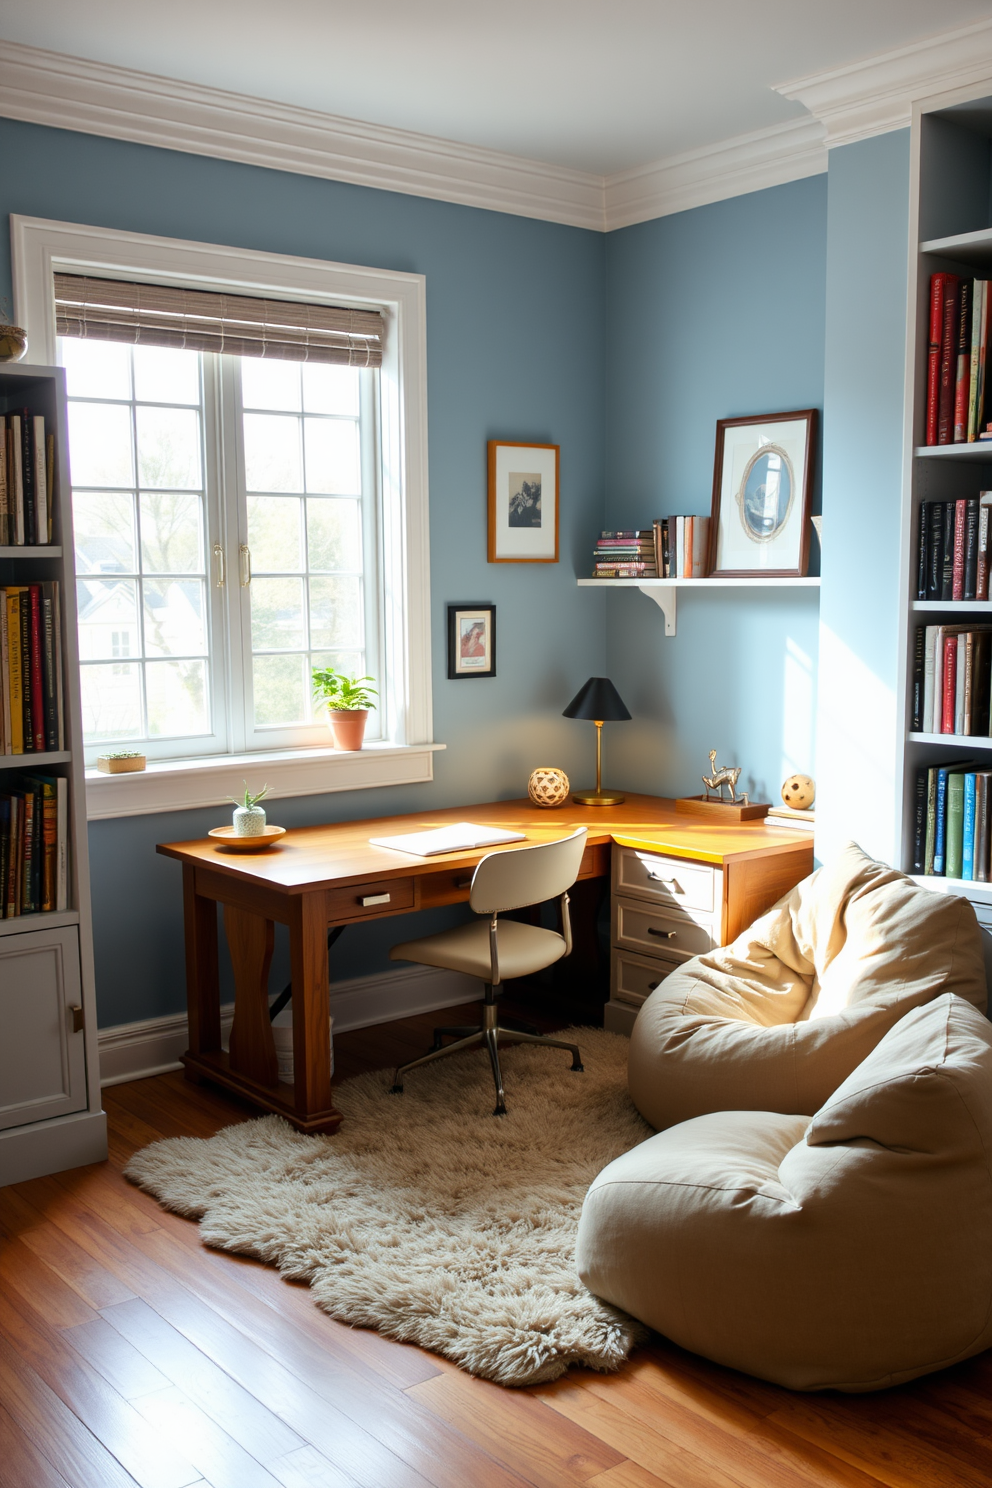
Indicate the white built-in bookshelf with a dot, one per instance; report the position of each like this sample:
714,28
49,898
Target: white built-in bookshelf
50,1116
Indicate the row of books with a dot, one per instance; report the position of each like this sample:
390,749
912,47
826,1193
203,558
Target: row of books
672,548
952,550
34,837
952,680
956,360
625,555
31,712
27,475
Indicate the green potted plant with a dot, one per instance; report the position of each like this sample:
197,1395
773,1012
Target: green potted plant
249,817
348,701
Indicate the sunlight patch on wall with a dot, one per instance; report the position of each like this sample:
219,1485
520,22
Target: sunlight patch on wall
856,754
797,711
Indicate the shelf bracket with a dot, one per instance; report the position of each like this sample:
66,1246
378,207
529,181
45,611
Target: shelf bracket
664,598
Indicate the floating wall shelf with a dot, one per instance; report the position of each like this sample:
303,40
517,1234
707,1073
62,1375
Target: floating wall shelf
663,591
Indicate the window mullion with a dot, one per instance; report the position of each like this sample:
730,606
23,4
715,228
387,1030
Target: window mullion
230,445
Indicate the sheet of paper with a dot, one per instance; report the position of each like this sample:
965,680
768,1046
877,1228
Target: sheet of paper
459,837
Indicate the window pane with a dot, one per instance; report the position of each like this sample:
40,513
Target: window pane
108,619
168,448
176,694
165,375
272,452
272,384
96,369
173,613
104,531
330,389
274,534
334,536
111,701
335,612
280,686
333,464
277,614
100,444
171,533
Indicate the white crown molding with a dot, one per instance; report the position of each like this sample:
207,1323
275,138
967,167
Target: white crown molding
877,95
749,162
41,87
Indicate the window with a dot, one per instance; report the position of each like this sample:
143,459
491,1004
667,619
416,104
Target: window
226,518
219,470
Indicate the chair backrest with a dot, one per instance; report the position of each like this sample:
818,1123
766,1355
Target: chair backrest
527,875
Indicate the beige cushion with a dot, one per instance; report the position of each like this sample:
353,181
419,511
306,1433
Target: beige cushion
522,949
850,1252
775,1021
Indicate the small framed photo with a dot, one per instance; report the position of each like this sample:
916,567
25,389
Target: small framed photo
523,503
762,481
471,640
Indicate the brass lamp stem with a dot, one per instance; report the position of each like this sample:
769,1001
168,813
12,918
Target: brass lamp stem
598,797
599,755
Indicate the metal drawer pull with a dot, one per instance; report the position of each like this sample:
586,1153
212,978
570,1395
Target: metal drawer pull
463,883
77,1018
670,883
374,899
662,934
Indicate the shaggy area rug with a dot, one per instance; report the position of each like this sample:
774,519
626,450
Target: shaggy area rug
425,1216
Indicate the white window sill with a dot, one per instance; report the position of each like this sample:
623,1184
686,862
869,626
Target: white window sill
182,785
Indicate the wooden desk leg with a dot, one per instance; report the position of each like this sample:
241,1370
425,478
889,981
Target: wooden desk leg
311,1044
250,939
202,981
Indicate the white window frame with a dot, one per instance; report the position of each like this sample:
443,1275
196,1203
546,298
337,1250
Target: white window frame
39,248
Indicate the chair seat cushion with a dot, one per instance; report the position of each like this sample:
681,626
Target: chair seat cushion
775,1021
522,949
848,1252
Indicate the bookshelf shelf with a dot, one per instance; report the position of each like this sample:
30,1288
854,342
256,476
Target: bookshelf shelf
951,606
22,550
979,451
969,248
663,591
30,761
52,920
979,892
953,741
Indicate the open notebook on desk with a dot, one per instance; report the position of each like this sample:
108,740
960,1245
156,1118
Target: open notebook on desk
459,837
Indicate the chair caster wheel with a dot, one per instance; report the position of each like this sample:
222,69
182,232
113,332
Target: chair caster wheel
396,1089
578,1069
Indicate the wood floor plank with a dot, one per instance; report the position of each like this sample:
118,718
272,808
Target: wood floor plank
306,1468
22,1464
120,1363
518,1430
630,1475
23,1272
222,1460
91,1281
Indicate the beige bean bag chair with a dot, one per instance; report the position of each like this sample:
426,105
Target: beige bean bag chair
775,1021
850,1252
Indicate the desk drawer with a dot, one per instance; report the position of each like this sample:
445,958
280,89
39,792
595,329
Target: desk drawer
671,881
365,901
633,978
648,928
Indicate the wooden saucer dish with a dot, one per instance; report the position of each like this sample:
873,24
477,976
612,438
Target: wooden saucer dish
227,842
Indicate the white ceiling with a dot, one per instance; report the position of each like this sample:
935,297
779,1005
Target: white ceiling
598,85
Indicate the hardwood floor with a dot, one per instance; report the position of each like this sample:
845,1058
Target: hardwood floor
130,1354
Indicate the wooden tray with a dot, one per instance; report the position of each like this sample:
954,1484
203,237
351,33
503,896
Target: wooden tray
228,842
721,810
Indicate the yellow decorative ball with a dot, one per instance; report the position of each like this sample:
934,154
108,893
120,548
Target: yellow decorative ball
548,786
799,792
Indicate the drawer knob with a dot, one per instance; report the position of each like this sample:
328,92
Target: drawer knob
670,883
78,1022
374,899
662,934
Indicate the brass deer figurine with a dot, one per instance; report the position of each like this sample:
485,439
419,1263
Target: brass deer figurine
724,775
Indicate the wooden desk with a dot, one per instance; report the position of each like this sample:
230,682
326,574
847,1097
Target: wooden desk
318,877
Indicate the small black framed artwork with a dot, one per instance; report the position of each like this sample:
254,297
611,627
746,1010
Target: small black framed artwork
471,640
762,482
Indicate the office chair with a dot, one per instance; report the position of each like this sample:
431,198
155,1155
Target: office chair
502,949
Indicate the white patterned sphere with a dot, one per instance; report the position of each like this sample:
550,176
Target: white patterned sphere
799,792
548,786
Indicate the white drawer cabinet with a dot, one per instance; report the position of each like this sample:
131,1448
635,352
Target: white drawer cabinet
42,1061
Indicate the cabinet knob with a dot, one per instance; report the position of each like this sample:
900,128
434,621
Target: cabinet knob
78,1022
373,899
662,934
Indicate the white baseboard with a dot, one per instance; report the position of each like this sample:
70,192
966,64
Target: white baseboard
133,1051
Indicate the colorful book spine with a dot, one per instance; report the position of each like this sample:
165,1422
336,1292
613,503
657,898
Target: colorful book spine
968,828
957,562
963,366
933,354
948,358
949,684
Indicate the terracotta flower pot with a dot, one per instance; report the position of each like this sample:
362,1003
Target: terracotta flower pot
347,726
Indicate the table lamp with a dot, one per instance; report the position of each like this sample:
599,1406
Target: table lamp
599,700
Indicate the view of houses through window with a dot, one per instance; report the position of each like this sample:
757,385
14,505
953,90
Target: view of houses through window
224,520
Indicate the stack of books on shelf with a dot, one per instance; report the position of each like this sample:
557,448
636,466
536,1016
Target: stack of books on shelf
31,713
788,816
952,821
682,547
952,551
952,680
625,555
27,474
34,834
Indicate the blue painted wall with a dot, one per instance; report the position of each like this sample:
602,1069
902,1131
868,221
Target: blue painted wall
515,332
714,313
859,744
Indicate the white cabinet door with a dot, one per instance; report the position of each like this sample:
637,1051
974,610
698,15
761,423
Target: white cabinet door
42,1062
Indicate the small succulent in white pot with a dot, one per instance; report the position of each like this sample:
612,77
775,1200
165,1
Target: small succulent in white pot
249,817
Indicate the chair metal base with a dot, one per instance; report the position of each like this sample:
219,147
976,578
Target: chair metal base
489,1034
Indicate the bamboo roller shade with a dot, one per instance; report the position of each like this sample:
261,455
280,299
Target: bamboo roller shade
202,320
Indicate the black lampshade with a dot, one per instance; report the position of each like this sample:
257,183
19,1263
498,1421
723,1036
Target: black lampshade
597,698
